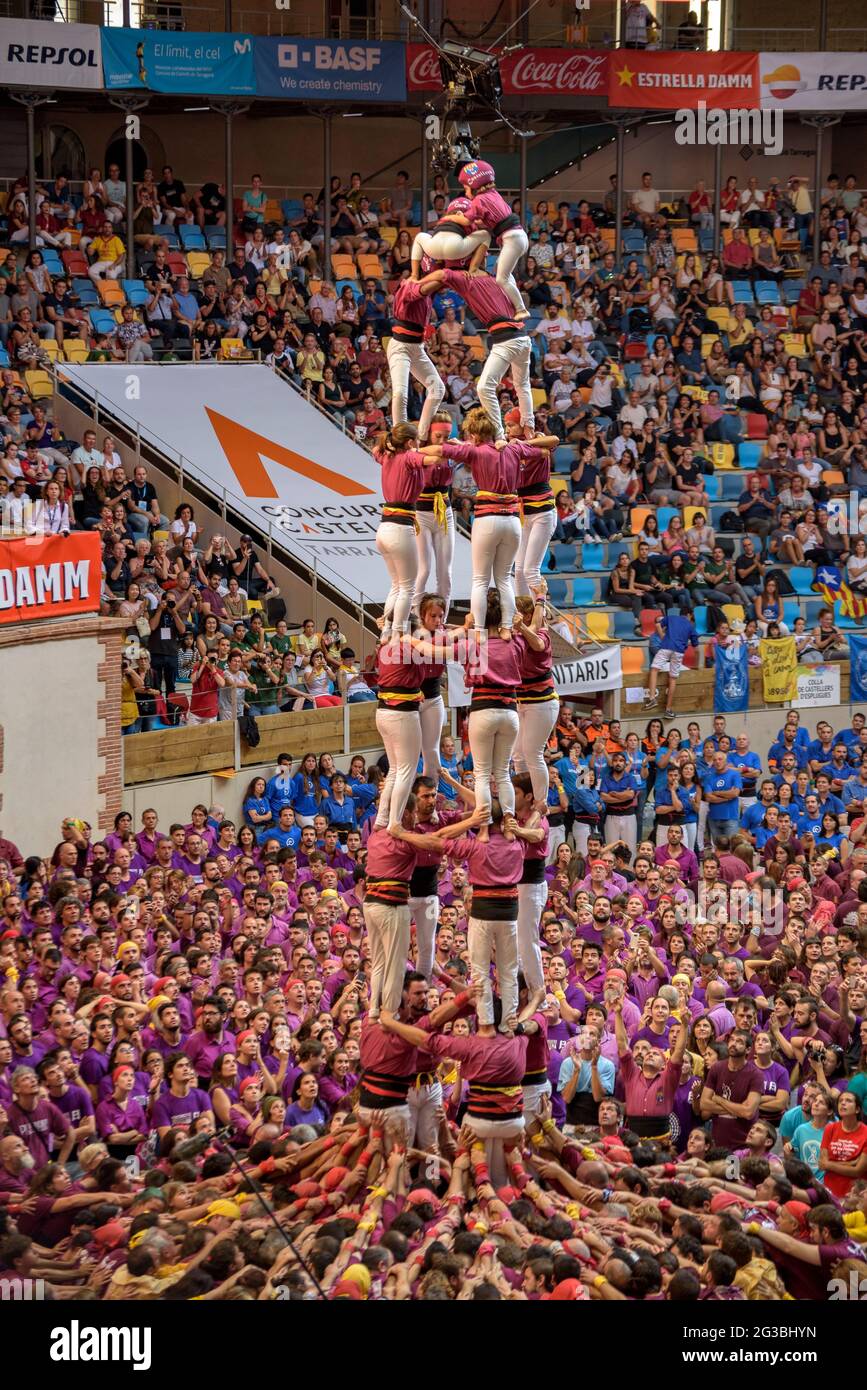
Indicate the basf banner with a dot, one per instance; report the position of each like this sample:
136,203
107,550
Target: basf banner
280,461
814,81
34,53
151,60
319,70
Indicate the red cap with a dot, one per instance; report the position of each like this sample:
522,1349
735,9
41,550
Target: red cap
569,1291
248,1081
246,1033
160,984
720,1201
119,980
346,1289
122,1066
512,417
420,1195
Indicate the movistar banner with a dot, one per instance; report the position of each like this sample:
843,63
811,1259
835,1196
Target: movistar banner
151,60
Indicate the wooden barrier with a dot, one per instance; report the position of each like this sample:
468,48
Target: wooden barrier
168,753
694,694
198,748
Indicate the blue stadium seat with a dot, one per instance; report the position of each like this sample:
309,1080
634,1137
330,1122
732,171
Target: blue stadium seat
51,260
705,239
699,617
732,485
791,291
557,591
353,285
103,320
564,458
791,611
742,292
216,238
4,357
135,292
565,556
592,556
664,516
191,238
812,608
801,579
170,235
714,486
842,619
750,452
584,592
624,623
86,292
767,292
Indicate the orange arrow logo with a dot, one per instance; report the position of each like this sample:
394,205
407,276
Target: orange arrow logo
244,449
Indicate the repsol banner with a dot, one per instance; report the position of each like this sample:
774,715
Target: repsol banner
34,53
588,675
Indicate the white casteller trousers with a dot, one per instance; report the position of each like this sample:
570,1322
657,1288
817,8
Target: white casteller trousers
514,245
535,725
432,716
436,549
400,732
425,912
514,353
410,359
497,941
536,534
492,734
388,929
532,898
495,541
396,544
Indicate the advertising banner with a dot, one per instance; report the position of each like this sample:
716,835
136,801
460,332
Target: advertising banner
49,576
281,463
814,81
155,61
588,675
669,81
731,687
320,70
34,53
554,72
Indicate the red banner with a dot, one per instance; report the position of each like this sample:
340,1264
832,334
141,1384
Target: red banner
422,68
49,576
668,81
549,71
555,72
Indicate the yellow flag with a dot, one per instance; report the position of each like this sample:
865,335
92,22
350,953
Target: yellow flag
779,669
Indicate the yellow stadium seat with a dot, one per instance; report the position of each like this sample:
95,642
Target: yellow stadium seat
39,384
389,235
598,625
722,455
74,350
721,317
198,262
559,484
369,266
606,236
707,342
343,266
832,477
160,536
539,396
734,612
51,347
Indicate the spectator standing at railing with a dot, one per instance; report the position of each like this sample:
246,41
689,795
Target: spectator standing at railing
636,20
690,33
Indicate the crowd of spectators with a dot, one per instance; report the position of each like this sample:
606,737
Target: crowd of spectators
702,1035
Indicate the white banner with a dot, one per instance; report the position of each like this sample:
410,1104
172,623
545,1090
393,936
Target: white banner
35,53
242,429
601,670
813,81
817,685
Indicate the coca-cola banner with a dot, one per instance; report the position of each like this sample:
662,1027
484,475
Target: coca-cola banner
422,68
551,71
555,72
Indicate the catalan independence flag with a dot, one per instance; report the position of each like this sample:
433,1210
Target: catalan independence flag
830,583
